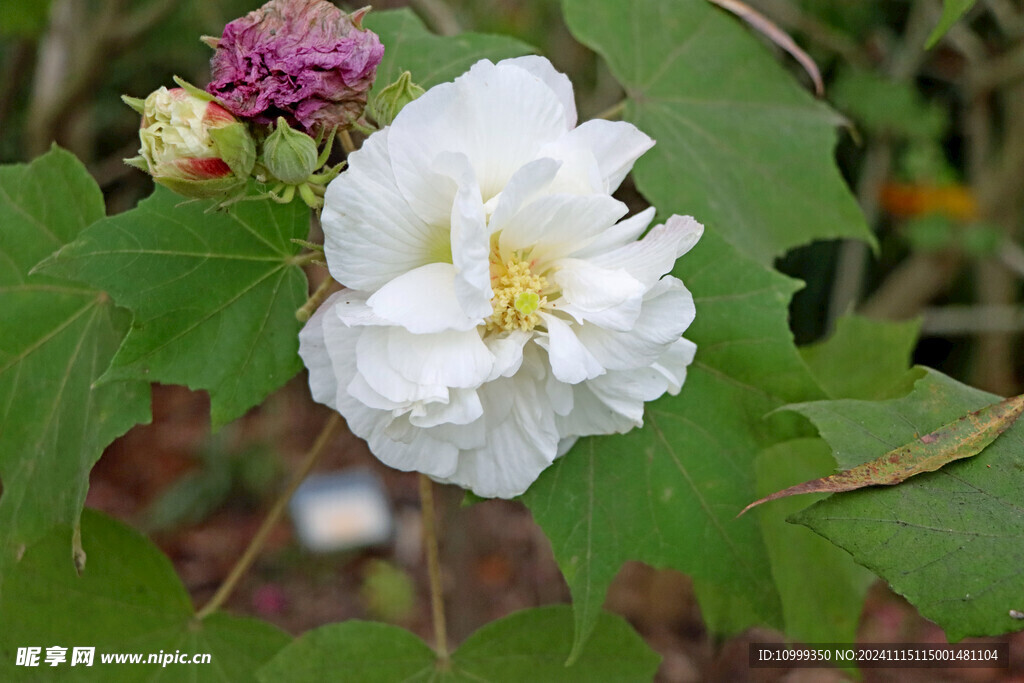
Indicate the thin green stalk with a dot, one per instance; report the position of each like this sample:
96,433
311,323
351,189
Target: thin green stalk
249,556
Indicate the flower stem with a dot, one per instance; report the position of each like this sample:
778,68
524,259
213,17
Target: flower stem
346,142
434,569
256,544
315,299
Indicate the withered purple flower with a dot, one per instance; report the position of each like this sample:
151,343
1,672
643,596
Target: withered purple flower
305,60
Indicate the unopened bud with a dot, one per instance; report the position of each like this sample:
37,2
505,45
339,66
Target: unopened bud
289,155
192,145
389,101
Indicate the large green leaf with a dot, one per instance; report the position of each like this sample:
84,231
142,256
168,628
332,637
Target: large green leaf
864,358
952,10
821,587
668,494
433,59
952,541
741,146
214,294
530,646
127,600
56,339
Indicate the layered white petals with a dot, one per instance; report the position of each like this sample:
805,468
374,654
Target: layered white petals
612,146
556,225
556,80
571,362
423,301
470,238
501,306
477,115
653,256
368,243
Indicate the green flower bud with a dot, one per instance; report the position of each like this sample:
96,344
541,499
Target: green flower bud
389,101
289,155
192,145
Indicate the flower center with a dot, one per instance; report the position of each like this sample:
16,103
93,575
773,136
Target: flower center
518,295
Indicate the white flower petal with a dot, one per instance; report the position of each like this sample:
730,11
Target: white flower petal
615,145
666,313
571,362
423,301
560,394
522,440
463,436
589,287
557,225
422,453
507,350
654,255
626,391
453,359
313,349
621,317
371,241
620,234
674,362
556,80
523,186
373,363
477,115
470,238
463,409
359,389
591,416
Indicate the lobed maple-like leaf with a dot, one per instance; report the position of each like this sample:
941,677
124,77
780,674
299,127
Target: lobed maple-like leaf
740,145
56,339
213,295
950,541
128,599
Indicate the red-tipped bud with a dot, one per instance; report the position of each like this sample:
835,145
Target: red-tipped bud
192,145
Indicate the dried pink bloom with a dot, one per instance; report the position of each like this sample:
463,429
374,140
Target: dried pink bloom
305,60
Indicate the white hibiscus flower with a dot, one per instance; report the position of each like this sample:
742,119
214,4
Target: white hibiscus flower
497,307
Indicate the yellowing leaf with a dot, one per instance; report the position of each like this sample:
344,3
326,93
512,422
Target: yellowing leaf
962,438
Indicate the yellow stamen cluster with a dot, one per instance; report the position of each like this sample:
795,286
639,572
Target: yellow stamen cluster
517,296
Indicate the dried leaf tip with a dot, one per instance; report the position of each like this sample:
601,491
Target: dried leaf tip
962,438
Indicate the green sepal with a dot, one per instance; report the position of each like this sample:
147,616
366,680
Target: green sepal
194,91
236,147
138,162
139,105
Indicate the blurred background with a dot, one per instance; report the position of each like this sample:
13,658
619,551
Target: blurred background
934,151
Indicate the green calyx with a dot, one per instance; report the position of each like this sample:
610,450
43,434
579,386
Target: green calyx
389,101
289,155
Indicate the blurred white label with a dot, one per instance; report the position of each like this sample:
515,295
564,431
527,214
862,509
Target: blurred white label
341,511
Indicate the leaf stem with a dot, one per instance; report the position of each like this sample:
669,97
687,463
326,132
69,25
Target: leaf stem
249,556
434,569
305,259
